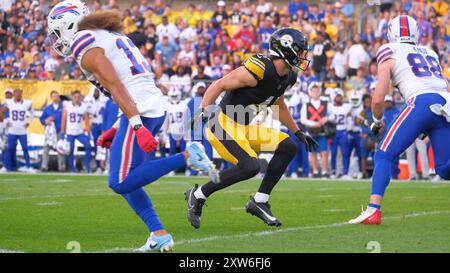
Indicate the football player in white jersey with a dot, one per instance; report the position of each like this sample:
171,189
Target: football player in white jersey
355,98
416,72
96,105
75,112
176,107
341,116
111,61
294,100
20,115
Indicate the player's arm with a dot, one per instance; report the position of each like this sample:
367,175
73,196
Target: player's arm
63,121
87,122
31,116
238,78
285,117
382,88
95,61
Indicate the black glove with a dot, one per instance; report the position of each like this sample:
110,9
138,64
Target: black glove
375,127
310,143
200,117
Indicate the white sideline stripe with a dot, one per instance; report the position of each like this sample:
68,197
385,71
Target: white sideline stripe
54,196
49,203
270,232
11,251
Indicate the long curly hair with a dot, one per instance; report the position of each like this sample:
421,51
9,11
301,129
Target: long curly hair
102,19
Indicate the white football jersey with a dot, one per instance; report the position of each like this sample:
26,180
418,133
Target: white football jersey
95,108
342,116
175,117
417,69
131,68
75,117
18,112
356,113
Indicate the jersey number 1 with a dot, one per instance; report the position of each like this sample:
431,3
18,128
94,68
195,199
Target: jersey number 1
136,68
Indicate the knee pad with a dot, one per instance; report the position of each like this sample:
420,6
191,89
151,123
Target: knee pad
444,171
249,167
287,147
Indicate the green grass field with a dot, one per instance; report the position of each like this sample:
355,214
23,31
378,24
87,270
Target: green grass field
43,213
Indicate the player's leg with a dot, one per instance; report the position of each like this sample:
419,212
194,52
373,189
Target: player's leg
71,157
132,171
439,138
96,132
229,140
304,160
85,140
11,152
333,150
345,151
284,148
173,145
293,165
138,199
323,148
414,119
24,144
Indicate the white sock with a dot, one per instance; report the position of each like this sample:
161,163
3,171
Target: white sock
199,194
261,197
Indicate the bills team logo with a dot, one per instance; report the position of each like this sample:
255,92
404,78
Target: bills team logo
286,40
59,12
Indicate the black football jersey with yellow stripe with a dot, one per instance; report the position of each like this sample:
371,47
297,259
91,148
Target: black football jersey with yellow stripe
246,102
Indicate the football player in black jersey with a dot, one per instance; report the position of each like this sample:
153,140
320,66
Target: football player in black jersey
259,83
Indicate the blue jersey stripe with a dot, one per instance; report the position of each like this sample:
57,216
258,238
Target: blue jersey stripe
83,46
75,44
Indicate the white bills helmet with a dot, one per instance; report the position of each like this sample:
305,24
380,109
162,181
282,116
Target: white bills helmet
63,147
403,29
63,22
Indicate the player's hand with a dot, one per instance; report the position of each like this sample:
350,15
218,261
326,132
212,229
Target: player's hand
310,143
62,136
105,139
377,128
146,140
200,117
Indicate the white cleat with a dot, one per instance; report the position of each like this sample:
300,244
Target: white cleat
163,243
370,216
346,177
3,170
31,170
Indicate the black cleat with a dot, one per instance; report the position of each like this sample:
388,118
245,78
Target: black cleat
194,206
262,211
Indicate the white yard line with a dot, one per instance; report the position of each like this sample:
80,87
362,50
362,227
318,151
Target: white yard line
11,251
49,203
284,230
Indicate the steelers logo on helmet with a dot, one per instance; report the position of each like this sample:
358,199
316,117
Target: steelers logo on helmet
286,40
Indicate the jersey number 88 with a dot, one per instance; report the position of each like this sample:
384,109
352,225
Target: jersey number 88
424,67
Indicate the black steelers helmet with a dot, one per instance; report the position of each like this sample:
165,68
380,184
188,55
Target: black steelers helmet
291,45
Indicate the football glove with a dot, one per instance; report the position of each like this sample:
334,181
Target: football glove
145,139
105,139
310,143
200,117
376,127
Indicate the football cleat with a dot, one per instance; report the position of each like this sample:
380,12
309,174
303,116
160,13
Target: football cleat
370,216
262,211
163,243
198,160
194,206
